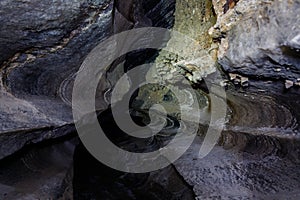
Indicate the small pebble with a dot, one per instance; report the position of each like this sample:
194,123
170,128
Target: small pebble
244,81
288,84
277,70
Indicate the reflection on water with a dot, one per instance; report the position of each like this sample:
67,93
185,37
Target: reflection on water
257,158
93,180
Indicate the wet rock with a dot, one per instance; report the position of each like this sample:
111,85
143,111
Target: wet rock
244,81
49,46
297,82
41,45
288,84
253,156
40,24
277,70
15,140
162,184
239,80
37,172
232,76
228,174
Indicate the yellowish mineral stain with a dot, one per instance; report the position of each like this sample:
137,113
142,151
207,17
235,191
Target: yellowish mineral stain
193,18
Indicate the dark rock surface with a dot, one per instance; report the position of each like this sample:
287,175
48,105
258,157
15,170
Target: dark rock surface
42,67
234,174
41,45
38,172
94,180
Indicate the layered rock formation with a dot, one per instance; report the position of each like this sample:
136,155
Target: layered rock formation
260,40
259,49
42,44
255,44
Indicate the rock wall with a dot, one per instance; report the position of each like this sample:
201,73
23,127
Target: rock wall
42,45
260,40
259,48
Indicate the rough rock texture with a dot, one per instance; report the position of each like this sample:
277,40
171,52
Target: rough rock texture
41,45
259,49
260,40
39,172
266,43
259,53
192,19
229,174
258,145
